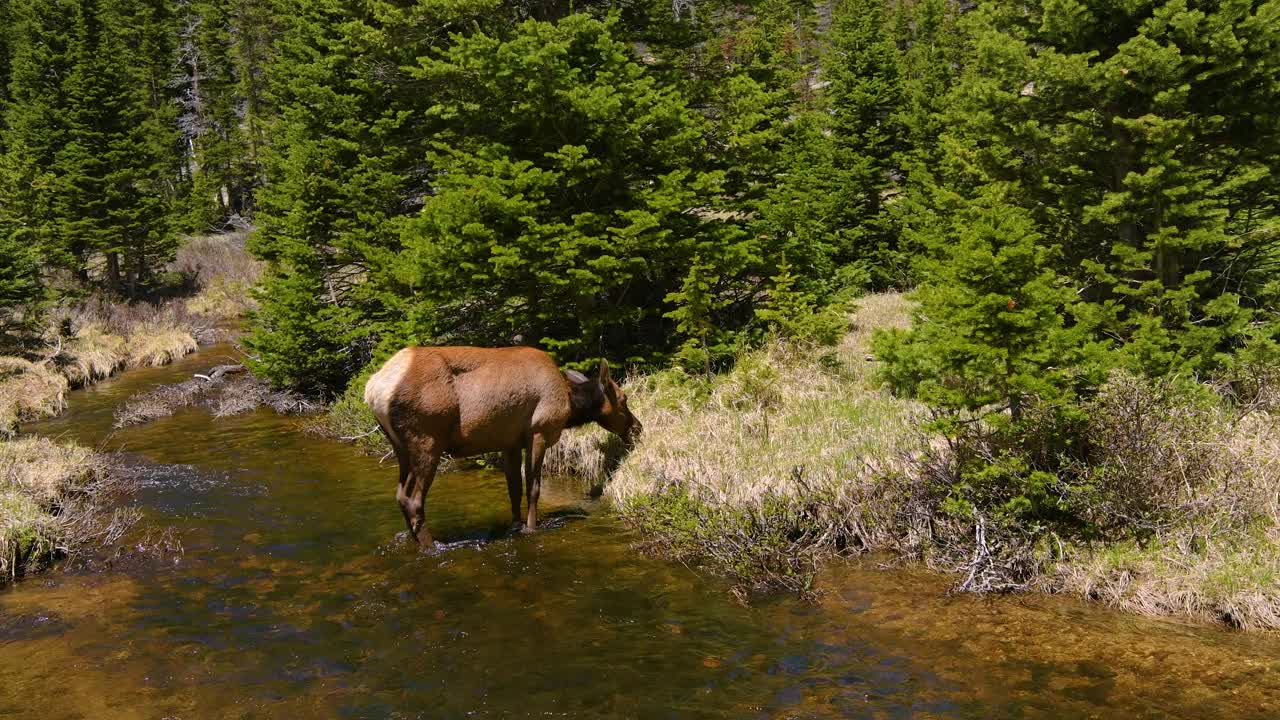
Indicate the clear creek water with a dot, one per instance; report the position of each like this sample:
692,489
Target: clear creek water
293,599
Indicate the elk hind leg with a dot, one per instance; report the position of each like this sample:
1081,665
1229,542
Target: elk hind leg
413,496
406,473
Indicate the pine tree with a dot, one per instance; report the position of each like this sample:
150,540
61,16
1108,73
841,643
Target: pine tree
110,198
865,97
796,315
705,345
1142,139
35,127
87,133
932,49
996,325
346,147
224,49
20,287
563,209
6,49
148,29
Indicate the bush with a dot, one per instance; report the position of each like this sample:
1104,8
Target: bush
1155,449
777,542
351,420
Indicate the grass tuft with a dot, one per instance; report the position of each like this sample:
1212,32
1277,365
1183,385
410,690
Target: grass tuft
158,343
29,391
762,471
93,354
53,502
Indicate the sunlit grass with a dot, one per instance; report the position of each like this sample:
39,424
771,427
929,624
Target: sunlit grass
53,500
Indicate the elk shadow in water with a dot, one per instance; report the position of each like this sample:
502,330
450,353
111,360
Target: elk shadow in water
477,538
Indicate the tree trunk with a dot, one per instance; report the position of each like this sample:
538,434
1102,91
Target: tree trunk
113,272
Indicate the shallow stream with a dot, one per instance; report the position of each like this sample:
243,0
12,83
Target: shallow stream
293,599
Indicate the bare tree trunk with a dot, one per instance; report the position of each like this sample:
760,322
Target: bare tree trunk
113,272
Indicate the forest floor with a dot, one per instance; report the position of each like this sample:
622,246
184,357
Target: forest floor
54,496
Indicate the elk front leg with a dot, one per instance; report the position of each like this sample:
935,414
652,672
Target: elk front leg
533,477
511,465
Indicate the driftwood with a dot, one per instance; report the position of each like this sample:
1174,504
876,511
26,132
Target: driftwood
217,373
225,390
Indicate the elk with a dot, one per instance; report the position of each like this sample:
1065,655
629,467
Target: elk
465,401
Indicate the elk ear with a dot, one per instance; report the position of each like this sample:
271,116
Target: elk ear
576,377
604,373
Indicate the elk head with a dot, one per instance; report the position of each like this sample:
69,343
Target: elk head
601,400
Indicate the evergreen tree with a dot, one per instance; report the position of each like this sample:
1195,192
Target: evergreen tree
565,205
20,289
35,126
791,313
225,49
865,97
87,133
149,31
932,48
6,49
697,302
110,198
346,149
1143,140
996,324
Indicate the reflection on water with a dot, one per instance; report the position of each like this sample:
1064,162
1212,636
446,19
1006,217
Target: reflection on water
294,599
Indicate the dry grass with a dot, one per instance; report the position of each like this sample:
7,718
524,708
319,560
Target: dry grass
783,447
85,344
28,391
747,433
222,298
223,270
1236,583
207,258
53,502
93,354
154,344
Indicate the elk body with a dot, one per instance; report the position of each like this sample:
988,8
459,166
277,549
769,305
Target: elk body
463,401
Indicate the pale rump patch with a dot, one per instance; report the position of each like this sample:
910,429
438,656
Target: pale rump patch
381,387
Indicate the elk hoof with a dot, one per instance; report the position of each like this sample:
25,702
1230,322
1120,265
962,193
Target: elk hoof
527,530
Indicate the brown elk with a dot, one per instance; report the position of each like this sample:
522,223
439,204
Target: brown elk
464,401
